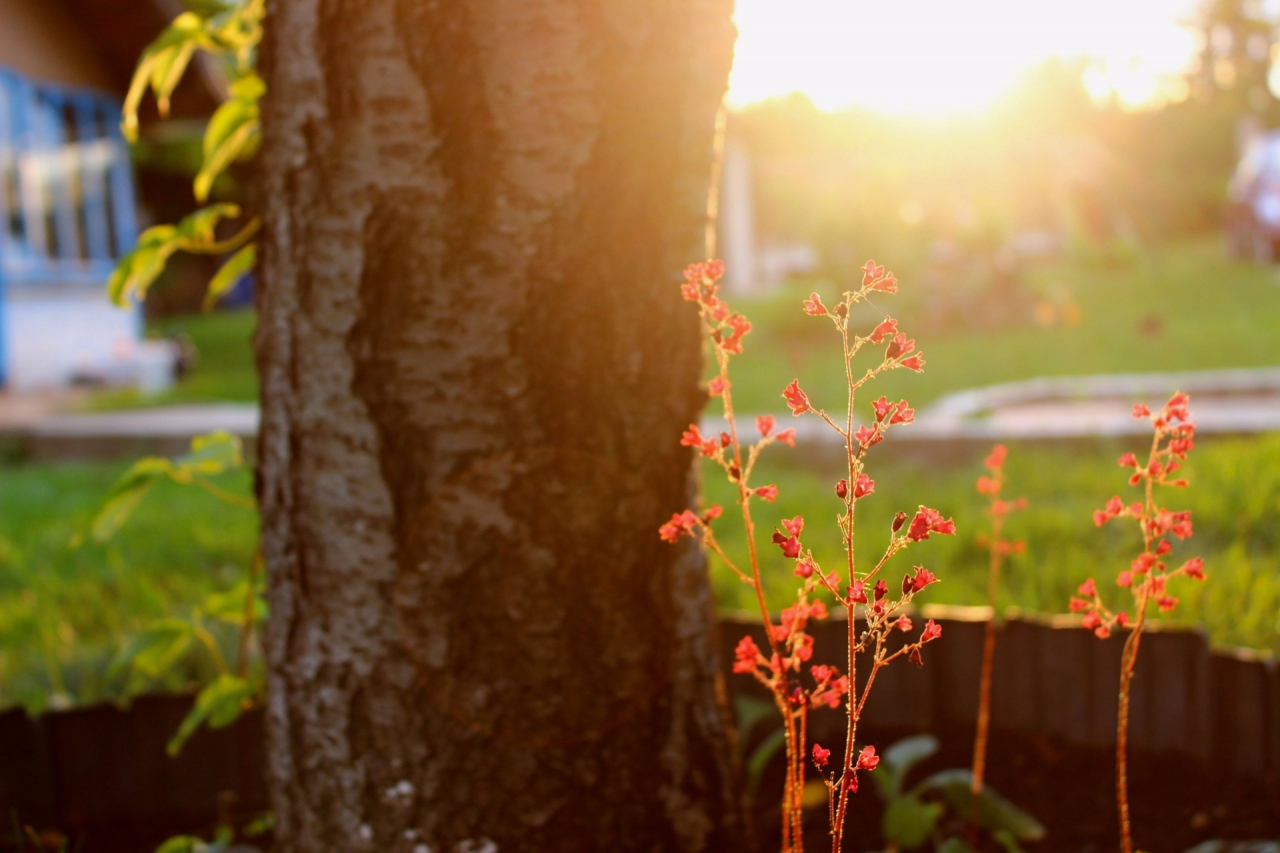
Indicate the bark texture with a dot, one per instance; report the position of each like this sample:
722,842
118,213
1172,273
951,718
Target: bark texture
475,370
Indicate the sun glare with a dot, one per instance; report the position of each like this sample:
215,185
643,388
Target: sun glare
939,57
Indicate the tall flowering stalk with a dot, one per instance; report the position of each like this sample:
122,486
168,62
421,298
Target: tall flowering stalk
998,549
782,670
1148,574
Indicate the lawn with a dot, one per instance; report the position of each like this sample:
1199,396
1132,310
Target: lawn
1181,308
65,610
1234,497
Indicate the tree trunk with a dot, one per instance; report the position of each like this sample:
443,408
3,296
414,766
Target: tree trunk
475,370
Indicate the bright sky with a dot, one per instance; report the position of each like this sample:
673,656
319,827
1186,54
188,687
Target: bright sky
932,57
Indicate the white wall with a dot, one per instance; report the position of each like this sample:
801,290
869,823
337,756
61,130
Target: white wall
54,334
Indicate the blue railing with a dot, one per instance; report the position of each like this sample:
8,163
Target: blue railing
67,208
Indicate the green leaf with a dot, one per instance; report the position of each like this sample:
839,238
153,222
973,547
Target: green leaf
760,756
908,821
995,813
162,65
751,711
229,273
197,229
220,703
232,133
154,650
228,606
139,267
181,844
954,844
211,454
248,87
898,760
126,494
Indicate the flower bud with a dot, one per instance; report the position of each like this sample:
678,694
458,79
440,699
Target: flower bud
842,489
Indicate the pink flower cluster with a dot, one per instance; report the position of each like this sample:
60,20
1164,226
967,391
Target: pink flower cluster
1148,575
873,611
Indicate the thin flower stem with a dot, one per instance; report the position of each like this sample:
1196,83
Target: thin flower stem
984,683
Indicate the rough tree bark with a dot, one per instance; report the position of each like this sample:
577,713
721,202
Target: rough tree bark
475,371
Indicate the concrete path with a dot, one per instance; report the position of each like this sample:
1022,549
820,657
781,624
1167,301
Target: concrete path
1223,402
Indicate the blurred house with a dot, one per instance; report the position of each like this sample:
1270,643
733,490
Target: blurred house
67,191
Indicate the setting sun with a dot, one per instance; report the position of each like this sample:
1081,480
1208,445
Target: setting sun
937,57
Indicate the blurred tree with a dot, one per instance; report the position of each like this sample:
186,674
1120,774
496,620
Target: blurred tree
1235,57
475,369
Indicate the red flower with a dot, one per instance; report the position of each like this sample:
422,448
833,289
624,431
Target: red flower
915,362
904,414
866,436
988,486
858,592
899,346
842,489
796,398
769,492
692,437
787,437
821,673
923,578
1127,460
883,407
1166,603
871,273
746,655
813,305
1088,589
995,461
804,568
888,284
928,521
690,291
1140,410
713,269
793,525
1079,605
713,512
1125,579
820,756
790,545
886,329
903,623
717,386
932,631
733,341
681,522
765,424
1193,568
880,591
1143,564
867,759
863,486
1176,408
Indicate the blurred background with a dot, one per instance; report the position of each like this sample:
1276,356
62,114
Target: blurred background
1081,199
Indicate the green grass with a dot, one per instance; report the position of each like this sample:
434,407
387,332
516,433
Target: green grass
1199,310
1234,498
66,610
